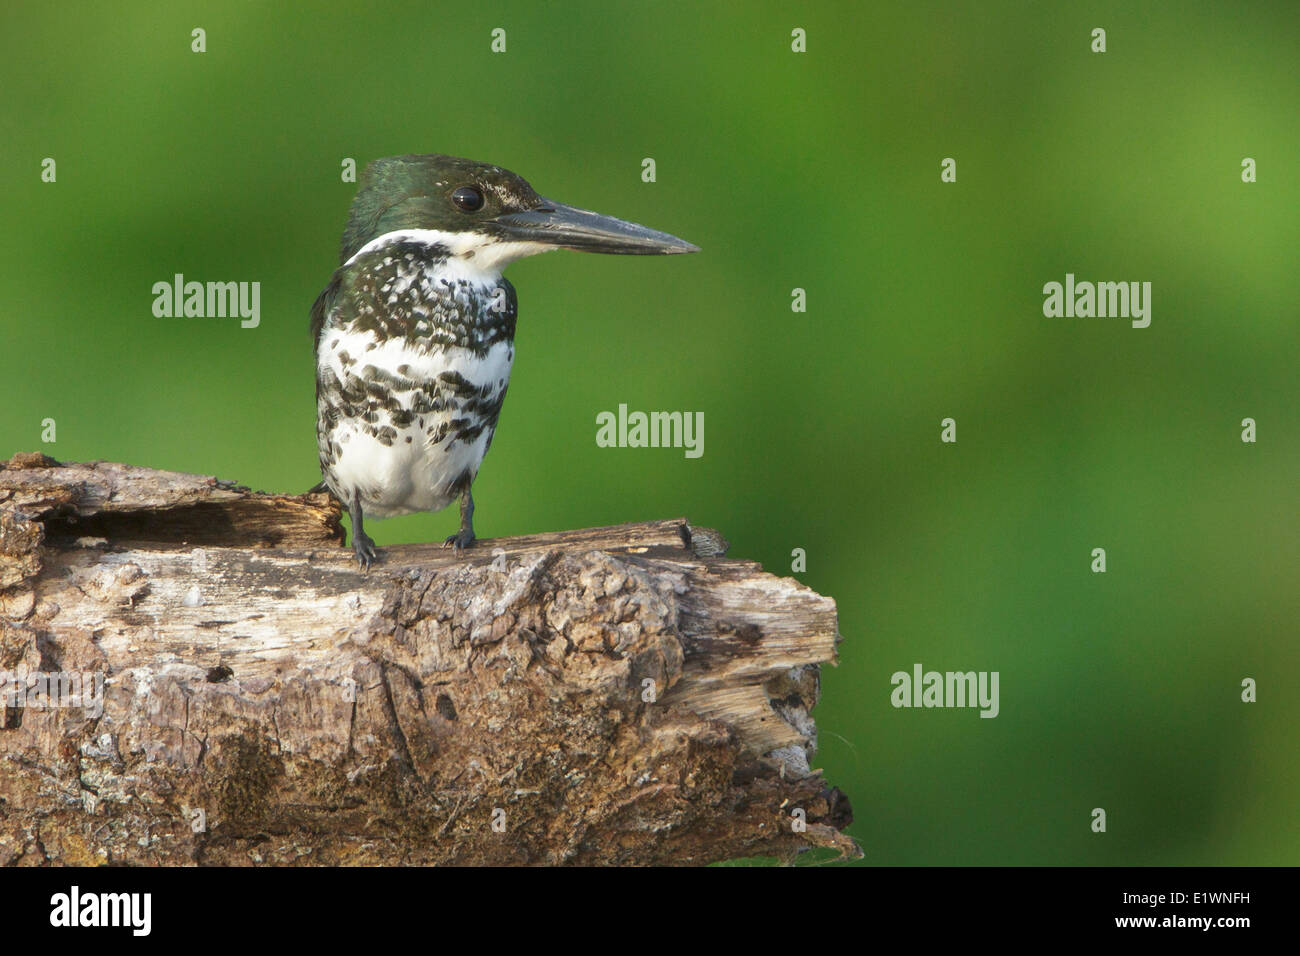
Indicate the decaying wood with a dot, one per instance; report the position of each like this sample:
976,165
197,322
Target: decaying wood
612,695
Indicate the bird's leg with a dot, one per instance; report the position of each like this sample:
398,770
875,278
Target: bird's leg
465,536
362,546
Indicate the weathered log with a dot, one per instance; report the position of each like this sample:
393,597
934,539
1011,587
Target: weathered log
611,695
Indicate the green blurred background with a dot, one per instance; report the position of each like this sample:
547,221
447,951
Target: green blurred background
818,171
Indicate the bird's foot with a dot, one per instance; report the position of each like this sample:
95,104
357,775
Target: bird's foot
364,549
461,540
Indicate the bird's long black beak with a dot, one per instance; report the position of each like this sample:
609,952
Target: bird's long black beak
567,227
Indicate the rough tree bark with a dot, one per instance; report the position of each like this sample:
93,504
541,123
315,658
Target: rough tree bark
612,695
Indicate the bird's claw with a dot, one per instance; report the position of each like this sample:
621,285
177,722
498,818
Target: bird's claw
364,549
460,540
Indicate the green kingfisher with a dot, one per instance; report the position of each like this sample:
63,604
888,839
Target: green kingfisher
415,332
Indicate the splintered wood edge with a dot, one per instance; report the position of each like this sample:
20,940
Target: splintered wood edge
145,506
120,502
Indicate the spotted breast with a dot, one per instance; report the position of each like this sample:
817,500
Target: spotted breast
414,350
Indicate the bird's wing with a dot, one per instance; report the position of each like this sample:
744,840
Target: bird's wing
321,308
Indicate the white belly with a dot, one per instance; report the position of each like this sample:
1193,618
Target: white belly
404,456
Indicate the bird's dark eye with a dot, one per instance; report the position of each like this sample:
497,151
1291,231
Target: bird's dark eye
467,198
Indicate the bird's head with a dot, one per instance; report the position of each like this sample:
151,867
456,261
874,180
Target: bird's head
484,212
